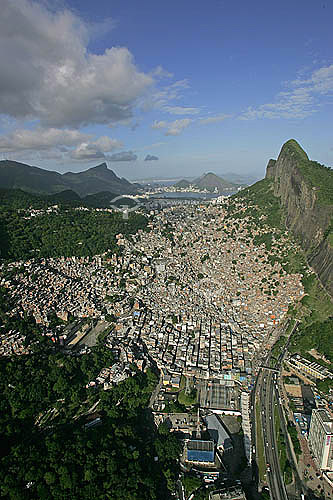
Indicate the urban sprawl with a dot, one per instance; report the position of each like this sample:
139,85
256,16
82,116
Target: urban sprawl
193,295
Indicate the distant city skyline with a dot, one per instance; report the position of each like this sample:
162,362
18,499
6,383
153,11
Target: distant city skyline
168,90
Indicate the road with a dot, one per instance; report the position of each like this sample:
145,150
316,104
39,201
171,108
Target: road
269,399
274,477
155,393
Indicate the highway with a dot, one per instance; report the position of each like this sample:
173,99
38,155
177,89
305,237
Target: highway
269,398
274,478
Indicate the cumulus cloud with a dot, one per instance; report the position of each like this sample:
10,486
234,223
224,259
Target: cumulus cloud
41,139
57,144
213,119
151,157
173,128
95,150
300,101
123,156
47,72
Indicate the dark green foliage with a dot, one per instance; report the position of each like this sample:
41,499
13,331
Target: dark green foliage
191,482
15,175
293,149
294,437
59,458
317,336
265,238
65,460
261,195
65,233
324,385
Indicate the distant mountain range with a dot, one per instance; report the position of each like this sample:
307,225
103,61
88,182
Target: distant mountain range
235,178
240,179
209,181
15,175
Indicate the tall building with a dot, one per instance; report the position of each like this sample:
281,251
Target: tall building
321,438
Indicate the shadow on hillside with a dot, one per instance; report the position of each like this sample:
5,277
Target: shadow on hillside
4,240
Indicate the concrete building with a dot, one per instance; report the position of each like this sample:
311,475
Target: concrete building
218,433
232,493
321,439
246,424
309,367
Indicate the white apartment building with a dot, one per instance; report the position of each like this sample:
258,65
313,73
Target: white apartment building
321,438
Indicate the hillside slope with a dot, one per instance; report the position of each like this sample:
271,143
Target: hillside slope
15,175
212,181
305,191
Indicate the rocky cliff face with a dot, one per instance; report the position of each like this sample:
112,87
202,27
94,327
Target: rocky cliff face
307,216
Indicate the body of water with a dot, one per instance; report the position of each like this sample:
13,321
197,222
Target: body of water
189,194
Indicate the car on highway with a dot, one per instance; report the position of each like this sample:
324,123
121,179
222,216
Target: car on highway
268,468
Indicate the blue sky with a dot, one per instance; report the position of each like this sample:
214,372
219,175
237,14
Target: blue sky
164,89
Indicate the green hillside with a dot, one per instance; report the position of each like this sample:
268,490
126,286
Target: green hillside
64,231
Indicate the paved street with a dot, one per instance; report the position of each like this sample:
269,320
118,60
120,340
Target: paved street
274,477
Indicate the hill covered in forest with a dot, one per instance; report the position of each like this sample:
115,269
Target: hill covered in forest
15,175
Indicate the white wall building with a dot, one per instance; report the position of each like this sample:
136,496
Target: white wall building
321,438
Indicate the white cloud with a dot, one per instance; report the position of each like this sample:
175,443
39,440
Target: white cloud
173,128
166,96
214,119
160,72
95,150
57,144
320,81
295,104
123,156
41,139
302,100
106,144
176,127
47,72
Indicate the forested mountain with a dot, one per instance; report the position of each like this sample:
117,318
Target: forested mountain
182,184
15,175
28,229
212,181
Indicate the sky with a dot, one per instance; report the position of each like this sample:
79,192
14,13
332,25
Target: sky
165,89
